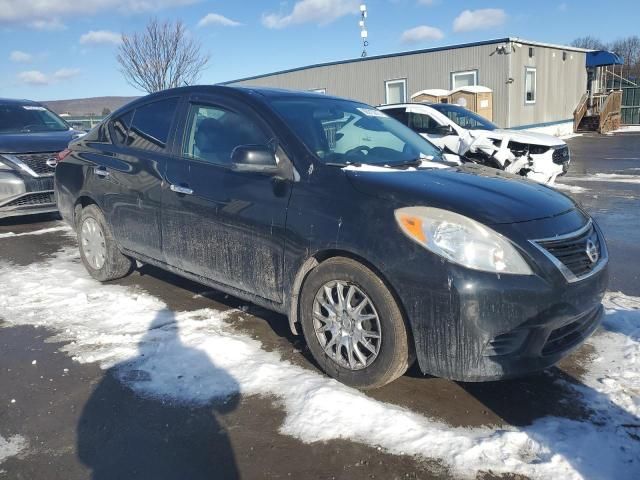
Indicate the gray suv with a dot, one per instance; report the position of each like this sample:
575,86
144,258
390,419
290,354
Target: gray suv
30,138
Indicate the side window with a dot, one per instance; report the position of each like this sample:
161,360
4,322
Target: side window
464,79
530,85
120,128
399,114
213,133
422,123
151,124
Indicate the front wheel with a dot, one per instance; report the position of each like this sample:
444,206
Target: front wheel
98,250
353,324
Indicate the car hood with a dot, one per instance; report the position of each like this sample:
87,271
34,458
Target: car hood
524,136
485,194
37,141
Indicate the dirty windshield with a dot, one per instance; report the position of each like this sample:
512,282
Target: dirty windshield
343,132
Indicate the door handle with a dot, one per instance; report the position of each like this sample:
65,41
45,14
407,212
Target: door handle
182,190
101,172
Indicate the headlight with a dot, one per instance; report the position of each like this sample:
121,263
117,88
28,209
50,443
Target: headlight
461,240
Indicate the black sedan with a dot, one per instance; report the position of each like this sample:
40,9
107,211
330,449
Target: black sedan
342,218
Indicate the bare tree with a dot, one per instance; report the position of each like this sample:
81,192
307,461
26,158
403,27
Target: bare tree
592,43
629,49
162,56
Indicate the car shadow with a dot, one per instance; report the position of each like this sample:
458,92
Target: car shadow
123,434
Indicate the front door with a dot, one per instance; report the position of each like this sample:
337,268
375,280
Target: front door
218,222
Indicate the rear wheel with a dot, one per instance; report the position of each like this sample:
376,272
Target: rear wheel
98,250
353,325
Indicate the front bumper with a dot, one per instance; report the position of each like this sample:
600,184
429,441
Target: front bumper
24,195
477,326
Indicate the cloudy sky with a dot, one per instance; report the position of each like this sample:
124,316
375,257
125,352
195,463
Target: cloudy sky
55,49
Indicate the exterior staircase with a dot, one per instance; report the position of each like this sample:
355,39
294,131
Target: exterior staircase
589,123
598,113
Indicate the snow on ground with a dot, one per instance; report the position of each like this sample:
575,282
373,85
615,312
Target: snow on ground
36,232
196,357
569,135
569,188
561,130
11,447
625,129
606,177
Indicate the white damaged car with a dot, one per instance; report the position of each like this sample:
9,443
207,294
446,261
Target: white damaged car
473,138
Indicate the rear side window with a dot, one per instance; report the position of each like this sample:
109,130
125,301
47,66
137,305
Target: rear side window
151,123
399,114
120,128
422,123
213,133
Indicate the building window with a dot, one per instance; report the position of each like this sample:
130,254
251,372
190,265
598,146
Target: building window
395,91
464,79
319,90
530,85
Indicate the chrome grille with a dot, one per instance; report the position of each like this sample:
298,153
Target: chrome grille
37,162
577,254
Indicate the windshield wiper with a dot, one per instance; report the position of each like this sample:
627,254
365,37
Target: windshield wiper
345,164
416,162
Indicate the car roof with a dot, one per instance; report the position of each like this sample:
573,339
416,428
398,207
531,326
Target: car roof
17,101
405,105
238,91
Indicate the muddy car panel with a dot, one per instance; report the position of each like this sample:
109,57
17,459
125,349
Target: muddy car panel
257,236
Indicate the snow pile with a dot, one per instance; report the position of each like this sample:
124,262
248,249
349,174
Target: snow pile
561,130
617,369
195,357
43,231
11,447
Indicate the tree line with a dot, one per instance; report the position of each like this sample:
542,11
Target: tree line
628,48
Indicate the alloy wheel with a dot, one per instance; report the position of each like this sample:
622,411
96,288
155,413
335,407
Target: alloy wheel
347,325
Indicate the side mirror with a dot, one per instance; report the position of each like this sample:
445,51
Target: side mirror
254,158
444,130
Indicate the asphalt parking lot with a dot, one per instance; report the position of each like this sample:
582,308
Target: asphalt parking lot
76,403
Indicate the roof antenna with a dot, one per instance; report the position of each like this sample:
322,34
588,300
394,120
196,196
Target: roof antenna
363,30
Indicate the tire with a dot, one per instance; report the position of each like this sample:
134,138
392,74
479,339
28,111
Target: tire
394,352
111,264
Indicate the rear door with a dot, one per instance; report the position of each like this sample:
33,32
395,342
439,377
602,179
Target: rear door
132,175
220,223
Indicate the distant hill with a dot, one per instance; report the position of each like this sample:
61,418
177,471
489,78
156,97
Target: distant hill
86,106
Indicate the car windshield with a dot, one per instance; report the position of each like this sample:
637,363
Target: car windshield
342,132
29,118
463,117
